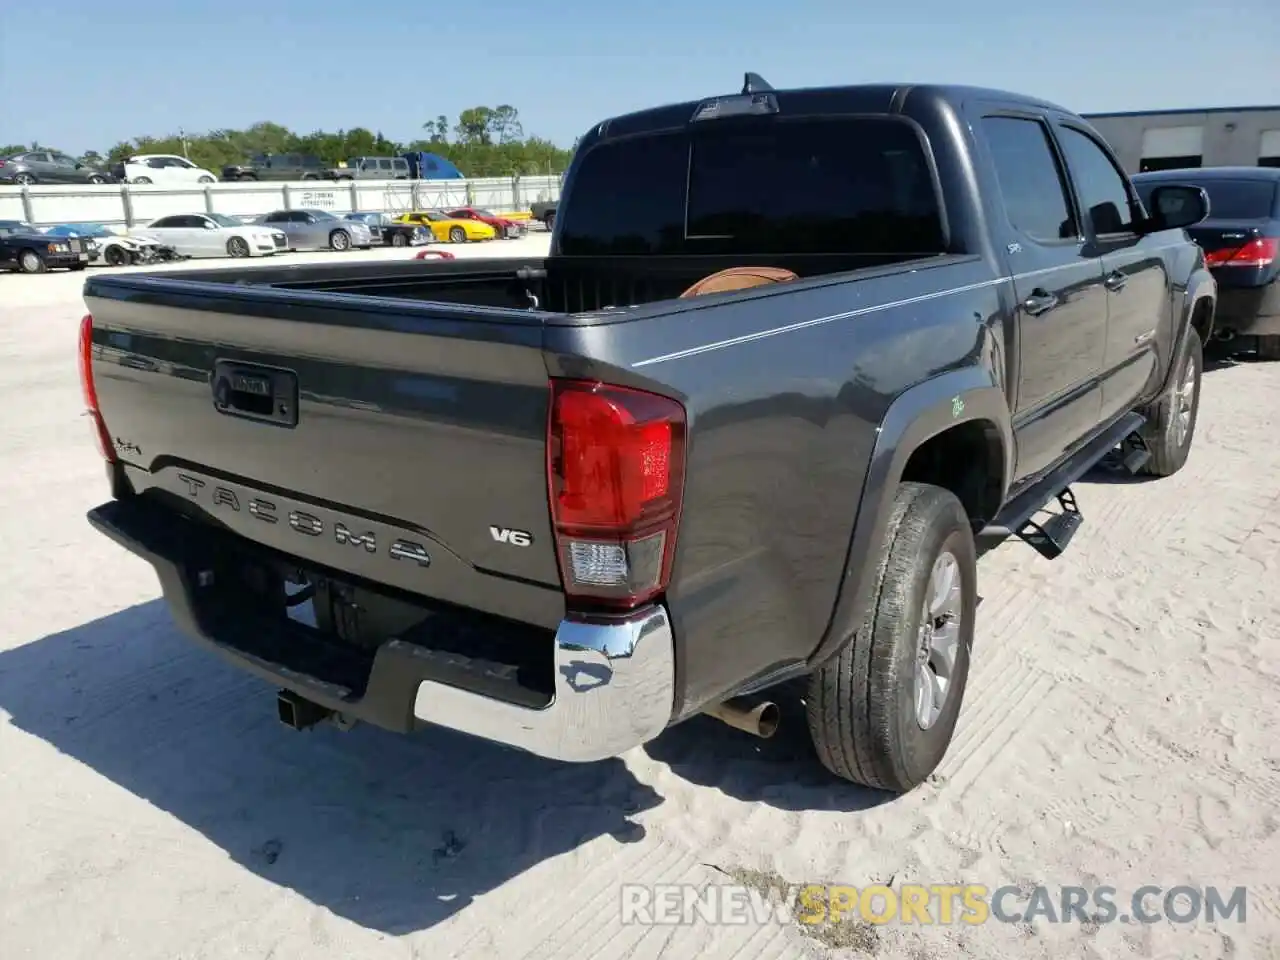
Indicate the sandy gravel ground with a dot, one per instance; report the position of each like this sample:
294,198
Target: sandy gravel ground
1121,729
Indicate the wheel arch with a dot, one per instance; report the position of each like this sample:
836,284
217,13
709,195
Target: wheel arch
961,410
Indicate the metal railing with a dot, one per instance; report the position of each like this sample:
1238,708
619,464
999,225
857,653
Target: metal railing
129,205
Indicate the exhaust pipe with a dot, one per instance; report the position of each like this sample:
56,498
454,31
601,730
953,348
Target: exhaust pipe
1223,335
758,718
299,713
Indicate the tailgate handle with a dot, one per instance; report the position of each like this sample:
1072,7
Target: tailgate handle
267,394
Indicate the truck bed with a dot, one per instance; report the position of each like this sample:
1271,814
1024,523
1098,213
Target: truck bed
551,285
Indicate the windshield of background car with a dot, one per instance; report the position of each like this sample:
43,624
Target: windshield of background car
223,220
1228,199
775,185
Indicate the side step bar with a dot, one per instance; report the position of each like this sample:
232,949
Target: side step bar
1050,538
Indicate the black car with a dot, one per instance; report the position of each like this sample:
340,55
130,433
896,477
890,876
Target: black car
276,166
24,248
386,232
49,166
1241,242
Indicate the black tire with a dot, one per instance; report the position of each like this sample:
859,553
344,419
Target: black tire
457,235
114,256
143,180
399,240
205,179
77,266
862,704
1171,423
237,247
1269,347
550,220
29,261
97,179
247,178
340,240
25,179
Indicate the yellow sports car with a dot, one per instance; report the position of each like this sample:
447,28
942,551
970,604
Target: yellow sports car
445,228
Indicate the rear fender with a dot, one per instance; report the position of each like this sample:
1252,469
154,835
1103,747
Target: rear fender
922,412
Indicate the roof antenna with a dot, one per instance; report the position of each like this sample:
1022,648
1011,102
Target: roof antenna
754,83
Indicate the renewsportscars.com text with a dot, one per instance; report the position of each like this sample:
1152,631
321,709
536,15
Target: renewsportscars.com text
929,904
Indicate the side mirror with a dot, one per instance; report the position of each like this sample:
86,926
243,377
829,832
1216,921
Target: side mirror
1177,205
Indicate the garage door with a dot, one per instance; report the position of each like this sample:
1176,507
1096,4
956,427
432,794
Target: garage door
1270,144
1173,142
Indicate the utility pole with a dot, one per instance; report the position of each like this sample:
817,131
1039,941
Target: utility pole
182,135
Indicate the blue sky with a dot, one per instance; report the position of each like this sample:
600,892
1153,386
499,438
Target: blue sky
96,73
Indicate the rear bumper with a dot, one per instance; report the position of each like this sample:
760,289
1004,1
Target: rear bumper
613,677
1249,311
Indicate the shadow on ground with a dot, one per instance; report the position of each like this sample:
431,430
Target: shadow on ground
393,833
781,772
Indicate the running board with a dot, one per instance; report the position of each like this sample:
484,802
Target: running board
1051,537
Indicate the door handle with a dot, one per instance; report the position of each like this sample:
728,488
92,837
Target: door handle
1115,281
1040,301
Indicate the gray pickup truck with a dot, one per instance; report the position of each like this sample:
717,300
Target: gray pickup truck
793,357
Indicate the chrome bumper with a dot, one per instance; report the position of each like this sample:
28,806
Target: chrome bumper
614,690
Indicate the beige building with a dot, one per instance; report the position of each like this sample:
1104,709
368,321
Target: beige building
1167,139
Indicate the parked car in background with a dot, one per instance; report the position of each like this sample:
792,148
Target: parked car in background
445,228
387,232
505,228
215,235
370,168
544,211
107,247
23,247
276,166
312,229
49,166
160,168
1241,241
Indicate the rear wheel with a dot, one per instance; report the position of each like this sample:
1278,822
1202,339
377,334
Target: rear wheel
97,179
1171,423
115,257
30,262
24,179
457,235
237,247
340,240
883,711
142,180
1269,348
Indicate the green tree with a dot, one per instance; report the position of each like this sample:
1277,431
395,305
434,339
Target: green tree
482,142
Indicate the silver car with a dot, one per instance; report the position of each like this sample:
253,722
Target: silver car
311,229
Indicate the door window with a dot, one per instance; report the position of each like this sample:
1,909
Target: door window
1104,191
1031,181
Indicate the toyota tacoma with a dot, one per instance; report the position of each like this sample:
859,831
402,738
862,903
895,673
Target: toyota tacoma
792,357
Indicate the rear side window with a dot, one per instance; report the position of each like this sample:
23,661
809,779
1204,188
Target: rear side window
1228,199
828,185
1031,181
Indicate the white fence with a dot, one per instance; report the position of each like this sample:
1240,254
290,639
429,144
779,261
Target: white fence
127,205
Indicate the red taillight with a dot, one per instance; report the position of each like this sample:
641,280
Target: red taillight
615,475
1259,252
90,392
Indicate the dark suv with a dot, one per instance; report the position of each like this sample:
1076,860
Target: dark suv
276,166
1241,242
49,166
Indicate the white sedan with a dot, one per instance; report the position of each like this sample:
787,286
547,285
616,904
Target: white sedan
214,235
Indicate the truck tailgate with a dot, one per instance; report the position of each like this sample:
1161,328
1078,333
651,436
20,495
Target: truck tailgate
401,443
